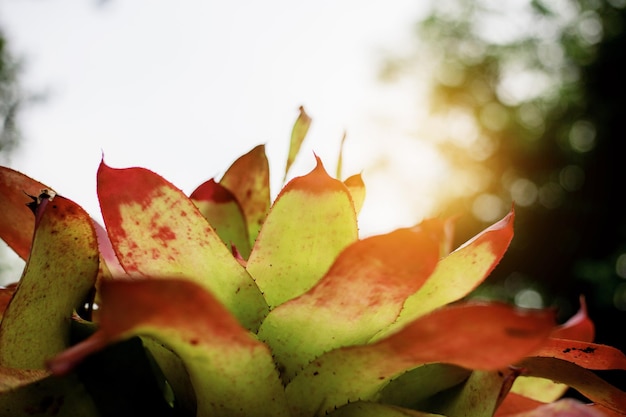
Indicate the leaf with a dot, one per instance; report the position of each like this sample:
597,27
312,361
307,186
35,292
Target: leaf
478,396
575,376
515,403
339,170
578,327
223,212
459,273
298,134
310,223
475,336
248,178
356,186
232,373
50,396
372,409
362,292
17,223
157,231
59,275
6,293
539,389
418,384
12,378
588,355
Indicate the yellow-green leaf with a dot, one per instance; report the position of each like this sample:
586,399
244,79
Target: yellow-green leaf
157,231
479,396
59,275
356,186
298,134
310,223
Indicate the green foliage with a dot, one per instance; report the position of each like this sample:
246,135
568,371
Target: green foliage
156,313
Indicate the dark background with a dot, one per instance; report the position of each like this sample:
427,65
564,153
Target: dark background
567,144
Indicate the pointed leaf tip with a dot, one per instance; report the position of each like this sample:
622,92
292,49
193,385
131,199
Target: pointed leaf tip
311,221
298,134
156,231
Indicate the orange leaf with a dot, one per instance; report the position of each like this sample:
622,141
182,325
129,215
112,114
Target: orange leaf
460,272
17,222
582,380
585,354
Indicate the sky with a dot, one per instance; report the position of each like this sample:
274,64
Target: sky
185,88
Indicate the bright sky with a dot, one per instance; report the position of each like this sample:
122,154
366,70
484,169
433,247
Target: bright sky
185,88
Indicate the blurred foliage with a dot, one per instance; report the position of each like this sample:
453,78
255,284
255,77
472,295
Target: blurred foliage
11,98
527,103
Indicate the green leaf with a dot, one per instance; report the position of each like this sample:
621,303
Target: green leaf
474,336
51,396
298,134
479,396
17,223
362,292
310,223
248,178
223,212
59,275
157,231
416,385
459,273
233,374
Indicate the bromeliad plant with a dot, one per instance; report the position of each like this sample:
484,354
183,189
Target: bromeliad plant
222,304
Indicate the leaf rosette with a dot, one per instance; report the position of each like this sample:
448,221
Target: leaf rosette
224,303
